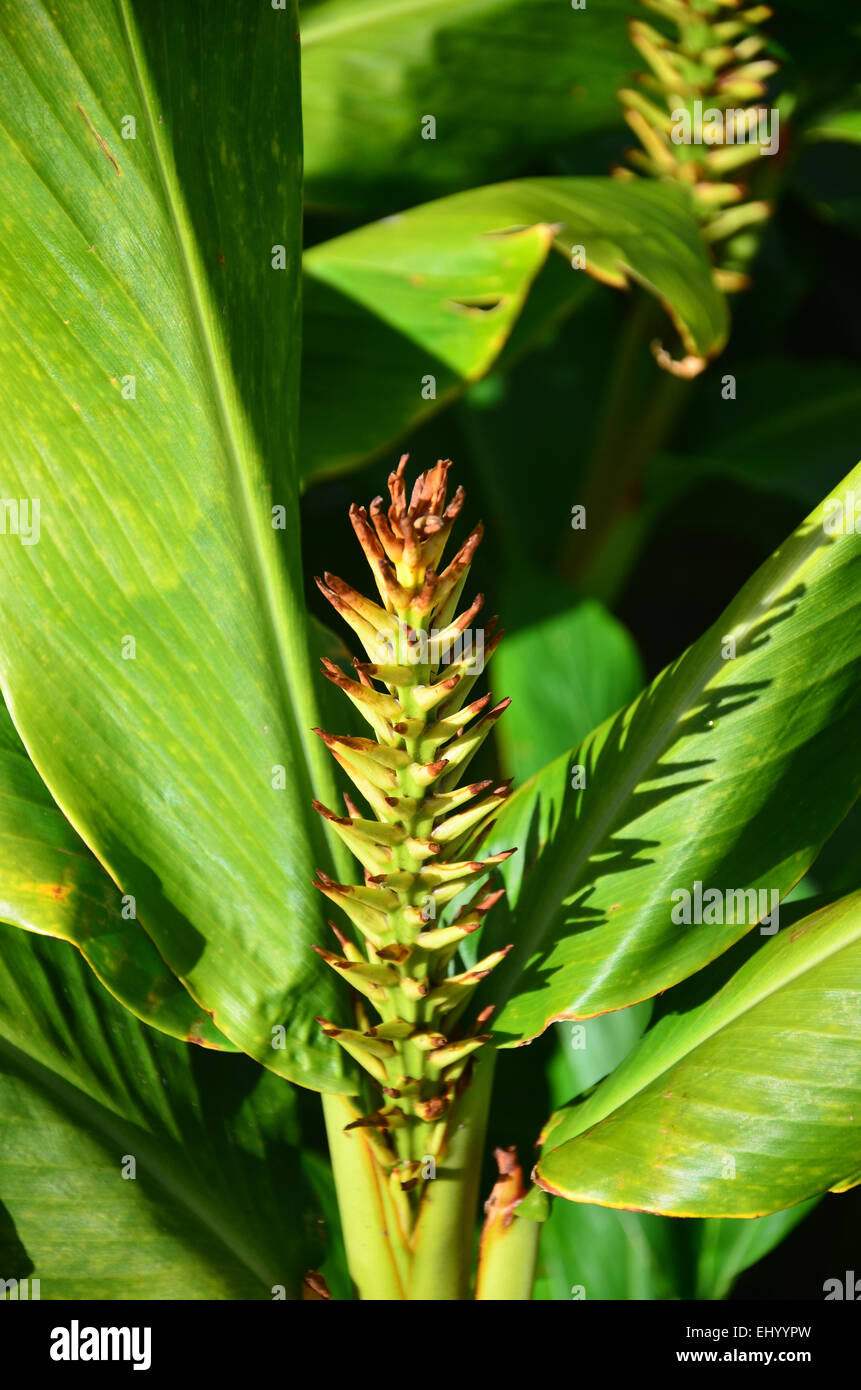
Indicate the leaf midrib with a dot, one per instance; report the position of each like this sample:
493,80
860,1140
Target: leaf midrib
702,674
270,577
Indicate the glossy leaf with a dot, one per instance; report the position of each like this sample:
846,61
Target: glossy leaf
53,885
624,1255
727,771
216,1205
432,295
383,383
150,342
508,83
746,1103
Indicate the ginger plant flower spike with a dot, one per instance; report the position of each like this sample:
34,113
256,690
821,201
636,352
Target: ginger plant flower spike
413,1033
700,118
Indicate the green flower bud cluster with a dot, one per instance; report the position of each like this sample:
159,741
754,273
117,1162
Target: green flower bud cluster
698,116
418,842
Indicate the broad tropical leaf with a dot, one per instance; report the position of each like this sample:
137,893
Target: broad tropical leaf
53,885
730,771
508,83
153,646
426,300
217,1205
653,1257
742,1105
384,385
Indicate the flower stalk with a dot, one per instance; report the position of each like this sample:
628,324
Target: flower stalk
699,117
509,1243
412,1032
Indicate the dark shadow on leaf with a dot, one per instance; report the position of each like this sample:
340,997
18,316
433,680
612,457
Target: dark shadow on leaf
629,773
15,1263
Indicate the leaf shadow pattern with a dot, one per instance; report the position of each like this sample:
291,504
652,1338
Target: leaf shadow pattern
350,354
216,1141
15,1263
577,952
617,852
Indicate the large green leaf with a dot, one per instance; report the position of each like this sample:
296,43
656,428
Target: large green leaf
150,258
436,292
52,884
727,771
623,1255
416,269
510,83
366,384
742,1105
218,1205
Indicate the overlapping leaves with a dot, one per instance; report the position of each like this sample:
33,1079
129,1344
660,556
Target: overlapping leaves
154,639
730,770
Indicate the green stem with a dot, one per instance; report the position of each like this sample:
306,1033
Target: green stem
444,1234
378,1261
504,524
623,526
507,1265
435,1265
508,1251
635,421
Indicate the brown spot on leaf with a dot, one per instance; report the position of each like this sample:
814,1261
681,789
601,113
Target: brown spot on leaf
102,143
57,892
